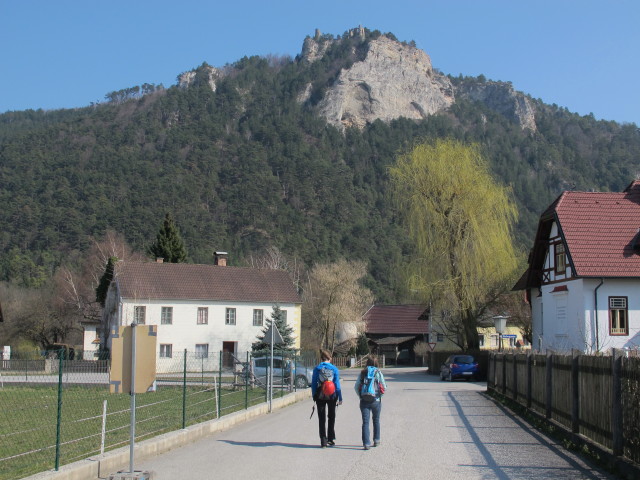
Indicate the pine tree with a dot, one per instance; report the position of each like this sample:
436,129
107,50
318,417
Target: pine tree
362,347
285,330
169,245
105,281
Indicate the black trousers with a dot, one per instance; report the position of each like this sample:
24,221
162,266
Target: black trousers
327,408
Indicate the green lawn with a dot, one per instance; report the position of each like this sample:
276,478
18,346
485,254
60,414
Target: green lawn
28,419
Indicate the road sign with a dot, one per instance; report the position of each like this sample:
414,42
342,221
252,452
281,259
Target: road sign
121,359
432,345
272,335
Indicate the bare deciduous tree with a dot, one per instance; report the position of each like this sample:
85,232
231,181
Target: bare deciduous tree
77,288
35,315
334,296
274,259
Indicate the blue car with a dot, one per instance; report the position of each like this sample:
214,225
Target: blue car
459,366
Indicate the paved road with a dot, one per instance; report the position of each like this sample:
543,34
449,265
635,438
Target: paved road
430,429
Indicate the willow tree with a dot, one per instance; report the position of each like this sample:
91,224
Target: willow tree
460,222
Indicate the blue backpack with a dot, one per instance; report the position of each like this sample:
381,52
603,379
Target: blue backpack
370,385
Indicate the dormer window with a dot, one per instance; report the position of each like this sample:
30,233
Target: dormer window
560,259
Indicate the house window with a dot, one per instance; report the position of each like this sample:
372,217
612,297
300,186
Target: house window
166,317
202,350
441,337
561,315
139,314
203,315
618,316
481,340
166,350
230,316
258,317
560,265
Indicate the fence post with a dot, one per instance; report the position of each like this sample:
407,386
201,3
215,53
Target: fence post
504,374
529,379
219,382
184,390
548,384
515,376
575,392
246,382
292,375
59,419
616,403
490,369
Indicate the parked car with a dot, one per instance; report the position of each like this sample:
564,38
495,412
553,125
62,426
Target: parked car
459,366
281,371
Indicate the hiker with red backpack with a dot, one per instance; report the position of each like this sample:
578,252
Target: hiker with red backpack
325,387
370,386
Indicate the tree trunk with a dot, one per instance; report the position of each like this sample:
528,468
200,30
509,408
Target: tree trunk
470,331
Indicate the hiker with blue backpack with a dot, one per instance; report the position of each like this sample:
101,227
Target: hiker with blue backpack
370,386
325,388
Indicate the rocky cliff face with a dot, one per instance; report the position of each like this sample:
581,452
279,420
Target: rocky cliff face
212,75
502,98
393,81
397,80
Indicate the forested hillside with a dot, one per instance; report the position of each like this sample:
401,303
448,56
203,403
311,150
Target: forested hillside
247,166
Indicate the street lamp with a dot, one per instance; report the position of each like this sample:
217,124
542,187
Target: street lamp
500,322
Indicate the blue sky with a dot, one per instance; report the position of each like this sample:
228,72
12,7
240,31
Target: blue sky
580,54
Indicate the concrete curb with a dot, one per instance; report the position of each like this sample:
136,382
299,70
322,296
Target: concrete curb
101,466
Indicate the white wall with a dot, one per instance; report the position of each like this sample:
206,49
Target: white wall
579,329
88,346
615,288
185,333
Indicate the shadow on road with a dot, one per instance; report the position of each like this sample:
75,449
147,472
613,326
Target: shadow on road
503,471
289,445
269,444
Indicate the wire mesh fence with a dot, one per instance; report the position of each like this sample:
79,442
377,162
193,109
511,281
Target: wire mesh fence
56,411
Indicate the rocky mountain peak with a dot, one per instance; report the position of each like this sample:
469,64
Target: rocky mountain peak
208,73
500,97
397,80
394,80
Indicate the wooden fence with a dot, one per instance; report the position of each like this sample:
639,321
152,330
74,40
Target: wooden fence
596,397
354,361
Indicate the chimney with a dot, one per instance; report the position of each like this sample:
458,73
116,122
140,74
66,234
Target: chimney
220,259
159,260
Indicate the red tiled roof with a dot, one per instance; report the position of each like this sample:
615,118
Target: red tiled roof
396,319
183,281
599,230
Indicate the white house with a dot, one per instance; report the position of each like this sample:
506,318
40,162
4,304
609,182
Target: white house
583,280
201,308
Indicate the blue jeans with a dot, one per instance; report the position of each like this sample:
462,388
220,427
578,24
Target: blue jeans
370,409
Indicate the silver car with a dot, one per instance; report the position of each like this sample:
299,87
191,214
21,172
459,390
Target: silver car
281,371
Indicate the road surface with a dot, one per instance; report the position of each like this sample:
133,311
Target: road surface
430,429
